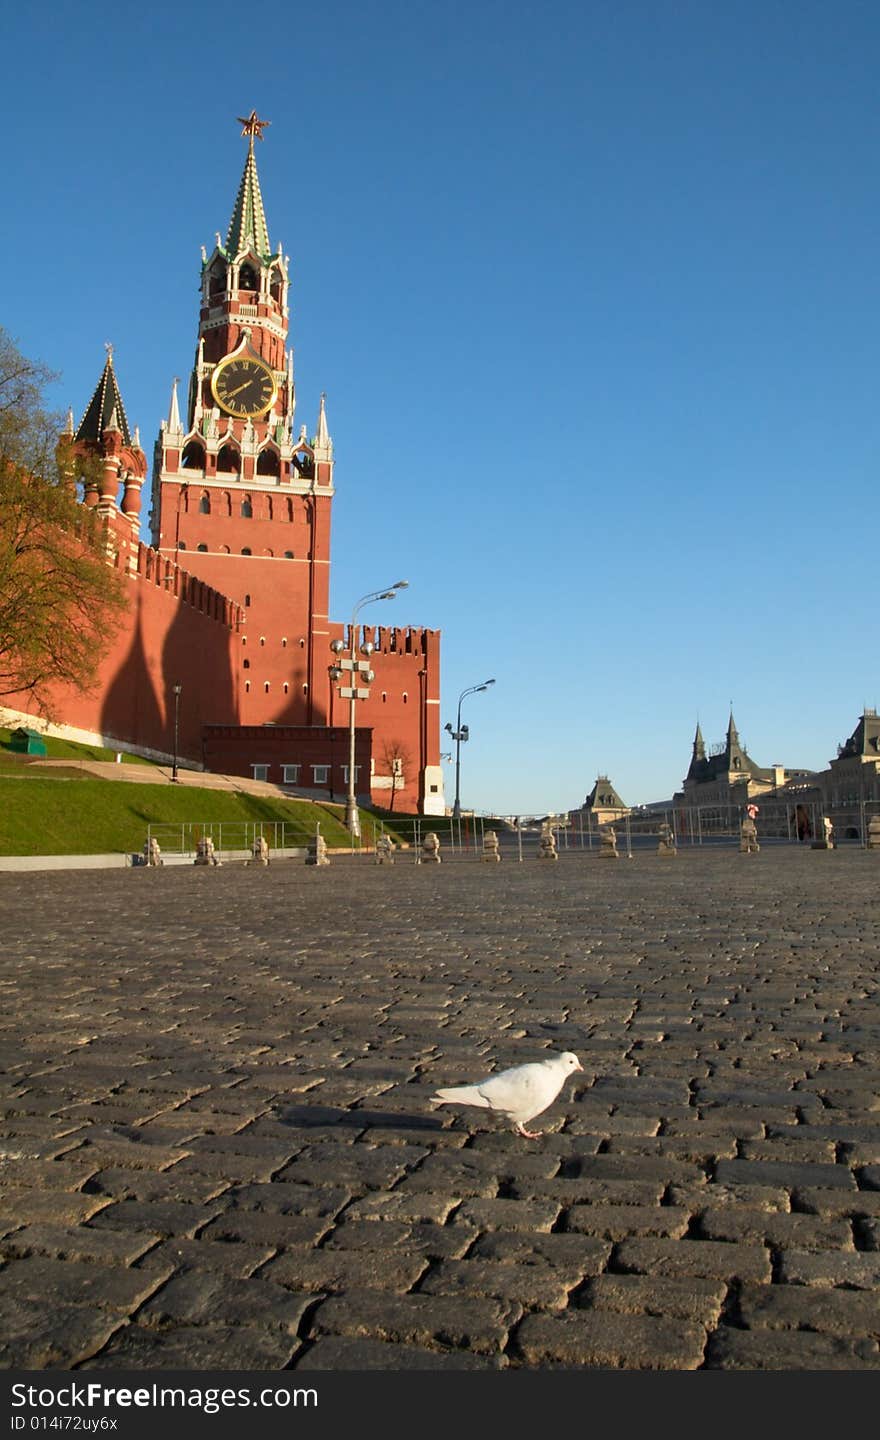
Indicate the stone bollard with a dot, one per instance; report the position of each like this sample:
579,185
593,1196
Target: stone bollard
667,846
608,847
827,840
547,844
490,847
317,851
152,853
873,840
431,849
748,837
259,851
205,852
384,850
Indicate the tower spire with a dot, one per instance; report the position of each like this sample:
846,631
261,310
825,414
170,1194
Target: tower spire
248,216
174,408
105,410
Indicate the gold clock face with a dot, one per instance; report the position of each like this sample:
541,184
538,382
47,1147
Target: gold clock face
243,386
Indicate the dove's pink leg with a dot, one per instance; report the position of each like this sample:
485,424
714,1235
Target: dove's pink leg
529,1134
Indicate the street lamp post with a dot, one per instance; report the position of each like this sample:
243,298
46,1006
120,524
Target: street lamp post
177,689
357,669
458,734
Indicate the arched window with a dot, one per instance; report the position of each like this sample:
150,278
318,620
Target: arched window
247,278
217,281
245,551
225,506
204,503
290,509
193,457
247,509
266,687
181,544
247,665
203,549
228,461
247,601
224,549
286,687
288,554
268,462
270,553
270,508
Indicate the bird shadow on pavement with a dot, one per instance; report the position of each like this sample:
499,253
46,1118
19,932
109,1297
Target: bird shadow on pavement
308,1116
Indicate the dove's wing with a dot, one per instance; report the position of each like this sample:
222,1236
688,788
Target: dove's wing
522,1092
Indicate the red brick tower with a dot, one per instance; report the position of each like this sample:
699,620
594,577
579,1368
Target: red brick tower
236,488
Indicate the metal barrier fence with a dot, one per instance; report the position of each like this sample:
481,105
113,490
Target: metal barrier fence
233,839
463,838
776,822
460,838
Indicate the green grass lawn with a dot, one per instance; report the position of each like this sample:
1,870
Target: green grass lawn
85,816
61,750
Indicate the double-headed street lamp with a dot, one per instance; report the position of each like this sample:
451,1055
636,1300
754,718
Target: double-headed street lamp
461,732
357,669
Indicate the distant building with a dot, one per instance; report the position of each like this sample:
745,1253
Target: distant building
602,806
728,776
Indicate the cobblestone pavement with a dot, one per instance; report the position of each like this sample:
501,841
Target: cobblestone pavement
218,1149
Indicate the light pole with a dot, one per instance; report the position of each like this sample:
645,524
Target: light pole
353,692
459,734
177,689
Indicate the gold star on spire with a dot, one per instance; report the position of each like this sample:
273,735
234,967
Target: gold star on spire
253,126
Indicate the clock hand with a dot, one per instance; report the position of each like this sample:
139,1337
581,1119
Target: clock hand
230,394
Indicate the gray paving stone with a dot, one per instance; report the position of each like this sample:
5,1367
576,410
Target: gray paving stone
609,1341
789,1350
407,1205
240,1260
571,1256
201,1298
709,1259
158,1217
805,1307
340,1270
478,1323
528,1215
801,1232
264,1228
81,1282
437,1242
33,1339
338,1353
77,1242
617,1222
784,1173
524,1284
691,1299
196,1347
800,1267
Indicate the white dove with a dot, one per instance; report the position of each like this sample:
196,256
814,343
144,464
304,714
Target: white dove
520,1093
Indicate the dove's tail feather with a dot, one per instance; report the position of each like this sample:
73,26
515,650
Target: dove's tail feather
462,1095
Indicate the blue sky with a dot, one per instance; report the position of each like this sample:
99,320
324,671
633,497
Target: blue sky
592,290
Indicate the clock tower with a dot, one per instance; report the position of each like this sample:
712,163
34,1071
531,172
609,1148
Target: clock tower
241,498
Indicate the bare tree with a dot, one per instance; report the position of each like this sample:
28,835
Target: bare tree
396,756
60,601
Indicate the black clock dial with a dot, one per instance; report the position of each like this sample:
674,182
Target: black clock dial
244,386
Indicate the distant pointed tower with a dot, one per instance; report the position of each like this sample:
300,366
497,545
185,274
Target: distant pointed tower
103,431
698,756
239,498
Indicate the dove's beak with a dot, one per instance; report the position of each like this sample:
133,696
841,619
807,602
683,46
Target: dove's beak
580,1067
